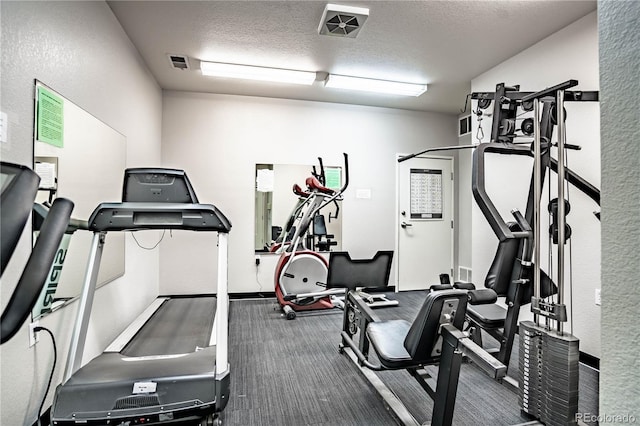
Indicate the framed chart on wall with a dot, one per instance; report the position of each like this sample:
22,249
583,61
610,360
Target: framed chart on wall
426,194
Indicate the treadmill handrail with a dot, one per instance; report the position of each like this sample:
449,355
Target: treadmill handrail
134,216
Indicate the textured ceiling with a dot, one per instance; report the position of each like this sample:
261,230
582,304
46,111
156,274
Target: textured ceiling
442,43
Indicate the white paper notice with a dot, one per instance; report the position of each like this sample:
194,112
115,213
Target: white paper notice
47,173
264,180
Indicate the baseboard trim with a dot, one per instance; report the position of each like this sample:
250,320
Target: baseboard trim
590,361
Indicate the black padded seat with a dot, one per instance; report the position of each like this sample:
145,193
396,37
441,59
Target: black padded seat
488,316
400,344
387,338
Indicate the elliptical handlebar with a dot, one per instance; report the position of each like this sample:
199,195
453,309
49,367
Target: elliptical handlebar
320,176
339,192
346,173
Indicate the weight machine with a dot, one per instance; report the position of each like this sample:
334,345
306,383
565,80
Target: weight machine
550,391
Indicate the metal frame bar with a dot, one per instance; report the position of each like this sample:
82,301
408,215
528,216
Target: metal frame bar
398,409
85,303
222,308
537,191
561,191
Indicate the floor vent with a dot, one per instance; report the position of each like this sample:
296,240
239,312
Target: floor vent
342,21
179,62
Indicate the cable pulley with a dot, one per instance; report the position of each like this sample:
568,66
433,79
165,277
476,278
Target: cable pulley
554,114
527,126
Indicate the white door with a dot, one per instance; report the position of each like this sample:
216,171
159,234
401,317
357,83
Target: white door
424,221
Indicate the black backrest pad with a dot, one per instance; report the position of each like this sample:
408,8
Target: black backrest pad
345,272
506,268
319,225
19,189
499,276
547,287
155,185
424,331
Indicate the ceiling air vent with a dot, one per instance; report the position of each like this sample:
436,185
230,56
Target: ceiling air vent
342,21
179,62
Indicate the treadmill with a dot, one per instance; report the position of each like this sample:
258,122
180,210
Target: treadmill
171,364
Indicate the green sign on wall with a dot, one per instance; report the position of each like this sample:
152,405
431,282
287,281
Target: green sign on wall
50,118
333,176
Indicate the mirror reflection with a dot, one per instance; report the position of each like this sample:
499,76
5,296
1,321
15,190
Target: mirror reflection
80,158
276,206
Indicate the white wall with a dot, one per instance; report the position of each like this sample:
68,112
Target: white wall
80,50
620,91
218,139
571,53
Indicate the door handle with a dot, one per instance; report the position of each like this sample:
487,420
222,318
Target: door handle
405,224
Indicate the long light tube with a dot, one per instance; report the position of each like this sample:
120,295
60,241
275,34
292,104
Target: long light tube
377,86
248,72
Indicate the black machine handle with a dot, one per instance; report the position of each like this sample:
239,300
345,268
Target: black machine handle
550,91
344,186
436,149
337,212
346,173
578,181
36,270
489,210
320,176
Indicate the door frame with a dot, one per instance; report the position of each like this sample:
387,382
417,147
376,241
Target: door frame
453,213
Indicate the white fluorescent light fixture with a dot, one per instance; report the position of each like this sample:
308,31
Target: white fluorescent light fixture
248,72
377,86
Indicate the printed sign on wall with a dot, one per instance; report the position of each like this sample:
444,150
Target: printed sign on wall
426,194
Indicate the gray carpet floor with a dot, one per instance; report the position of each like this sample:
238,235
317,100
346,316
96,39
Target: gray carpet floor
291,373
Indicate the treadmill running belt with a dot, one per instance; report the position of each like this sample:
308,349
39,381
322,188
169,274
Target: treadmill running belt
178,326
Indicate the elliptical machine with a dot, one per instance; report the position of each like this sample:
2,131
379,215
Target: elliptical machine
300,270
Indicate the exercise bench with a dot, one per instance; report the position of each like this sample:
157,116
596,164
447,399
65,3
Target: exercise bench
434,338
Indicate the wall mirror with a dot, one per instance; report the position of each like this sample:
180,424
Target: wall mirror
80,158
275,201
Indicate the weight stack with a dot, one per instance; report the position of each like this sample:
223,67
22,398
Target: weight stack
548,374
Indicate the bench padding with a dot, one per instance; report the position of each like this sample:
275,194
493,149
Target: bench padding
488,316
387,338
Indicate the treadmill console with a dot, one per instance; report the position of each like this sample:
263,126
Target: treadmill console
157,198
155,185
